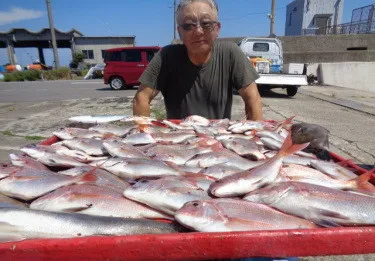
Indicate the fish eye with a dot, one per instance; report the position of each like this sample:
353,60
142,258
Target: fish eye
195,204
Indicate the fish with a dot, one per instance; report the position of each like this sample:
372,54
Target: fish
176,126
244,148
333,169
322,205
220,171
130,168
195,120
7,202
94,200
29,183
172,137
71,133
113,129
50,159
7,169
175,153
243,182
89,146
21,224
226,215
165,194
276,145
119,149
97,118
309,175
26,161
139,139
209,159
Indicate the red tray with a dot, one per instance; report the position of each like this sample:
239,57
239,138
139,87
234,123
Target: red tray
199,246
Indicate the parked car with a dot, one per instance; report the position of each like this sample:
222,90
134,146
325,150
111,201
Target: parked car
124,66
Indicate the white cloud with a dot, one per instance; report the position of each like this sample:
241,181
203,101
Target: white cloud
17,14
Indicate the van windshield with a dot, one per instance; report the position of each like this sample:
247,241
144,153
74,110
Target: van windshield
261,47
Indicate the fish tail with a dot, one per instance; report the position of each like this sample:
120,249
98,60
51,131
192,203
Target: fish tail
284,124
366,181
289,148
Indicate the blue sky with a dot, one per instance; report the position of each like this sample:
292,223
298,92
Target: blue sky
151,21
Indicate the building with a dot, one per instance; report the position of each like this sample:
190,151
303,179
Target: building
93,47
306,16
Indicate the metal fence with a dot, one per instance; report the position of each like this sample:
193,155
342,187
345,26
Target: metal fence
362,22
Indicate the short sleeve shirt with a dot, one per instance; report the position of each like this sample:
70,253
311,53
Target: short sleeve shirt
204,90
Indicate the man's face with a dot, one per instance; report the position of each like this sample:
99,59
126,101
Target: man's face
198,27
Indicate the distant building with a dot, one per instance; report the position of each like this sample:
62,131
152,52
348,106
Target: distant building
93,47
306,16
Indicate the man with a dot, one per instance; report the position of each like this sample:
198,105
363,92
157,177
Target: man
198,77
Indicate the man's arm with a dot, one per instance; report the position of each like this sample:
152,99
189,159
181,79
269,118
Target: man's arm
142,100
253,103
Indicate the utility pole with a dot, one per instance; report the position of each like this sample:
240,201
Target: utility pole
272,18
174,19
52,29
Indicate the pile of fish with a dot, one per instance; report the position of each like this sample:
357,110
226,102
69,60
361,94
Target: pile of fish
203,175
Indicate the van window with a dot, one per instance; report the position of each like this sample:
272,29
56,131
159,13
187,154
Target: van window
261,47
150,54
112,56
131,56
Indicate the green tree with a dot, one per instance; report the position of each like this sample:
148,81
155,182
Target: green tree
77,58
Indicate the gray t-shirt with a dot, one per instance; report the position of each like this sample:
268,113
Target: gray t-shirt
199,90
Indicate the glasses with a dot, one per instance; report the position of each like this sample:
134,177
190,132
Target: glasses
206,26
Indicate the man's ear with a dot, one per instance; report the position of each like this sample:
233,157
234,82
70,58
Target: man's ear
179,32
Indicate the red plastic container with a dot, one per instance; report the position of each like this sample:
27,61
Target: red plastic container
199,246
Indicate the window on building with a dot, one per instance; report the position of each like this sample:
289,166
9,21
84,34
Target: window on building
131,56
103,54
261,47
89,54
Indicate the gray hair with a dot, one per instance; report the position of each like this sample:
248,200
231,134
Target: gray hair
184,3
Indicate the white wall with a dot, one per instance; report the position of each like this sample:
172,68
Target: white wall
355,75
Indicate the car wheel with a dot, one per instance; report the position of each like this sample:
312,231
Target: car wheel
291,90
117,83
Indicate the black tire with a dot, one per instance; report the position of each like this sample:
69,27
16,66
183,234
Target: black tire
117,83
291,90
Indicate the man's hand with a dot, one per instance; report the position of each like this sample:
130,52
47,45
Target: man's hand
253,103
142,100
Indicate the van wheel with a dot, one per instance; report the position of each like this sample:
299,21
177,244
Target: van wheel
117,83
291,90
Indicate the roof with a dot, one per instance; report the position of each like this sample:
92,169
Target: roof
73,31
100,37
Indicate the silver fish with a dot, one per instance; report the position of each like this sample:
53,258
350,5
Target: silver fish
94,200
246,181
90,146
31,183
7,202
20,224
164,194
224,215
119,149
317,203
113,129
129,168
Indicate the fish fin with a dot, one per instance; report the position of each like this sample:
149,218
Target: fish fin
344,163
289,148
24,178
143,127
322,213
366,181
77,209
284,124
326,223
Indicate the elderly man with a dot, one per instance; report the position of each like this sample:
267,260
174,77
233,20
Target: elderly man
198,77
